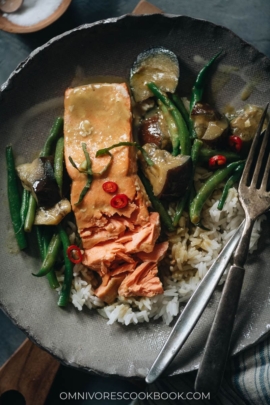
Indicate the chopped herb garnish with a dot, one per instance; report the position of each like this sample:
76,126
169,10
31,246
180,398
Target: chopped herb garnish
85,189
87,158
87,171
106,151
86,168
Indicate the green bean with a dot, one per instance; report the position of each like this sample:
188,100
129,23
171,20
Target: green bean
54,134
157,205
66,287
206,154
183,132
51,256
31,213
198,88
14,199
196,147
197,91
181,107
40,241
52,279
59,163
192,194
188,120
208,188
172,129
230,182
43,243
180,207
24,205
196,152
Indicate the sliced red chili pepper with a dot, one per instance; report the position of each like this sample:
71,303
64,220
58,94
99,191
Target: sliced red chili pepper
119,201
110,186
217,161
235,143
74,254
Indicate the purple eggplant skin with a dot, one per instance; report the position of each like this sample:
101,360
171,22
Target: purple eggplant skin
158,65
169,175
177,181
38,177
154,129
150,132
210,126
45,189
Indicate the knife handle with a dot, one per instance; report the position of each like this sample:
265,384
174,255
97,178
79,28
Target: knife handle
214,359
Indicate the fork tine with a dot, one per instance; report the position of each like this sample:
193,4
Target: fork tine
260,159
267,168
253,149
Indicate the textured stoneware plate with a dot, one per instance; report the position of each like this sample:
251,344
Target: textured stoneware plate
30,100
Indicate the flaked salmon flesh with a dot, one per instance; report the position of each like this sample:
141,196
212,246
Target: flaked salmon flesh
115,241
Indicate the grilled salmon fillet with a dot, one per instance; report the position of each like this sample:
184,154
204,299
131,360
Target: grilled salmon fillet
99,115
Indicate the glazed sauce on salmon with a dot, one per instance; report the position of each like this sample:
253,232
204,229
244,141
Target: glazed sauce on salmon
99,115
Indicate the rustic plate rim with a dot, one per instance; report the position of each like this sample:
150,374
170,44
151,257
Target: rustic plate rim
4,88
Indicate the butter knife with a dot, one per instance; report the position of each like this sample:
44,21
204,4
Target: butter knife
193,309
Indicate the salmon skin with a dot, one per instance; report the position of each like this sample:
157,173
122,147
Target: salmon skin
99,115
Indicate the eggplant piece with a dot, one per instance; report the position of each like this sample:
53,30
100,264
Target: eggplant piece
154,129
150,132
246,122
158,65
170,175
30,172
209,124
53,215
38,177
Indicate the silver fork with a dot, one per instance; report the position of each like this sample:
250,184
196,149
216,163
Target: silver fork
255,200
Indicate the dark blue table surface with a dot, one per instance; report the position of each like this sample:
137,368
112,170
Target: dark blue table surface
247,18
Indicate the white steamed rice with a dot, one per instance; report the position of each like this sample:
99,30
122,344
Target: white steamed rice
192,252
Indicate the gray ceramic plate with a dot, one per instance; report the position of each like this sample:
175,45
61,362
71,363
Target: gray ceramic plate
30,100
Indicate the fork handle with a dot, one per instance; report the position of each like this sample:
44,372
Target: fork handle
214,359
